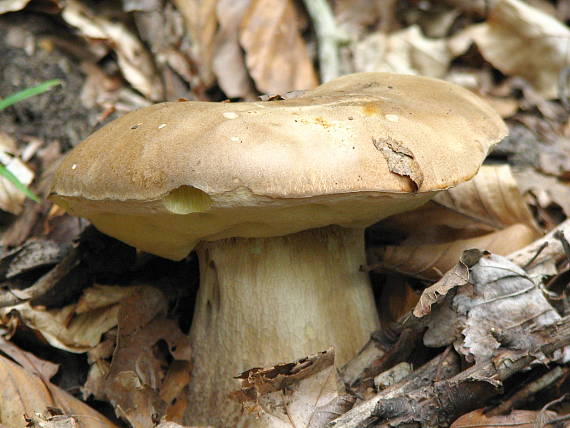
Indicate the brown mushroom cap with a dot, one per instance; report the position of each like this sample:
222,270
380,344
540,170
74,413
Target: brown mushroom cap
350,152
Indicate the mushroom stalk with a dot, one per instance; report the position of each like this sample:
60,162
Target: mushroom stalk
264,301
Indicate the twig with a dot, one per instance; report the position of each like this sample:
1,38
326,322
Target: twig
529,390
554,251
328,37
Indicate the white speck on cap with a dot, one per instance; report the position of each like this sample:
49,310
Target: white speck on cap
74,166
230,115
392,117
162,125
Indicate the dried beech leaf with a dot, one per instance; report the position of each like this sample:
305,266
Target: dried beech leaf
515,418
433,260
137,370
43,368
457,276
521,40
400,159
23,393
135,61
495,309
299,394
406,51
201,22
487,212
276,55
228,59
491,197
77,327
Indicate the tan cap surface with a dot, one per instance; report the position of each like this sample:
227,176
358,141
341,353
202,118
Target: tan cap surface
269,168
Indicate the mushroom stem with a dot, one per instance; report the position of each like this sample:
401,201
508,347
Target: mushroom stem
264,301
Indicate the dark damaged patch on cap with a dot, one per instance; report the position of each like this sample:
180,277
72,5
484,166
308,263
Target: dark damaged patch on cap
400,160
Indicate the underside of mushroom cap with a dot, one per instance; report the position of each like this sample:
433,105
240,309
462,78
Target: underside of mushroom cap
350,152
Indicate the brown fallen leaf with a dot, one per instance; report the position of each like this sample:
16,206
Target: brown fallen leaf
299,394
33,364
23,394
515,418
134,60
228,60
521,40
137,371
488,212
276,55
201,21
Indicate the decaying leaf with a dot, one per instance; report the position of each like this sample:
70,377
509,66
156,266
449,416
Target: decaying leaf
406,51
228,58
400,159
299,394
23,394
276,55
495,309
487,212
200,20
133,58
137,371
515,418
546,189
33,364
521,40
77,327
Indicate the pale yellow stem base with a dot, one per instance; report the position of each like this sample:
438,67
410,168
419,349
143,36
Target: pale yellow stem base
271,300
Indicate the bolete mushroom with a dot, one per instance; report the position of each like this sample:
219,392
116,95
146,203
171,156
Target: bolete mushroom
274,196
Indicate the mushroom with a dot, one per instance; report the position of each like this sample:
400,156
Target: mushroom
274,197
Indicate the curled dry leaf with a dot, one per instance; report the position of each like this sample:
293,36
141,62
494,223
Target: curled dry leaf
299,394
23,393
521,40
137,372
228,58
276,55
487,212
74,328
406,51
496,308
134,60
516,417
201,21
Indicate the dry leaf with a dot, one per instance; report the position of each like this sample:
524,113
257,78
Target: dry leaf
299,394
201,22
521,40
134,60
495,309
228,59
42,368
406,51
276,55
137,370
77,327
12,5
546,189
487,212
515,418
23,393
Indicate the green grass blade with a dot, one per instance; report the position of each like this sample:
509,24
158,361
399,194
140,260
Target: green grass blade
27,93
5,172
